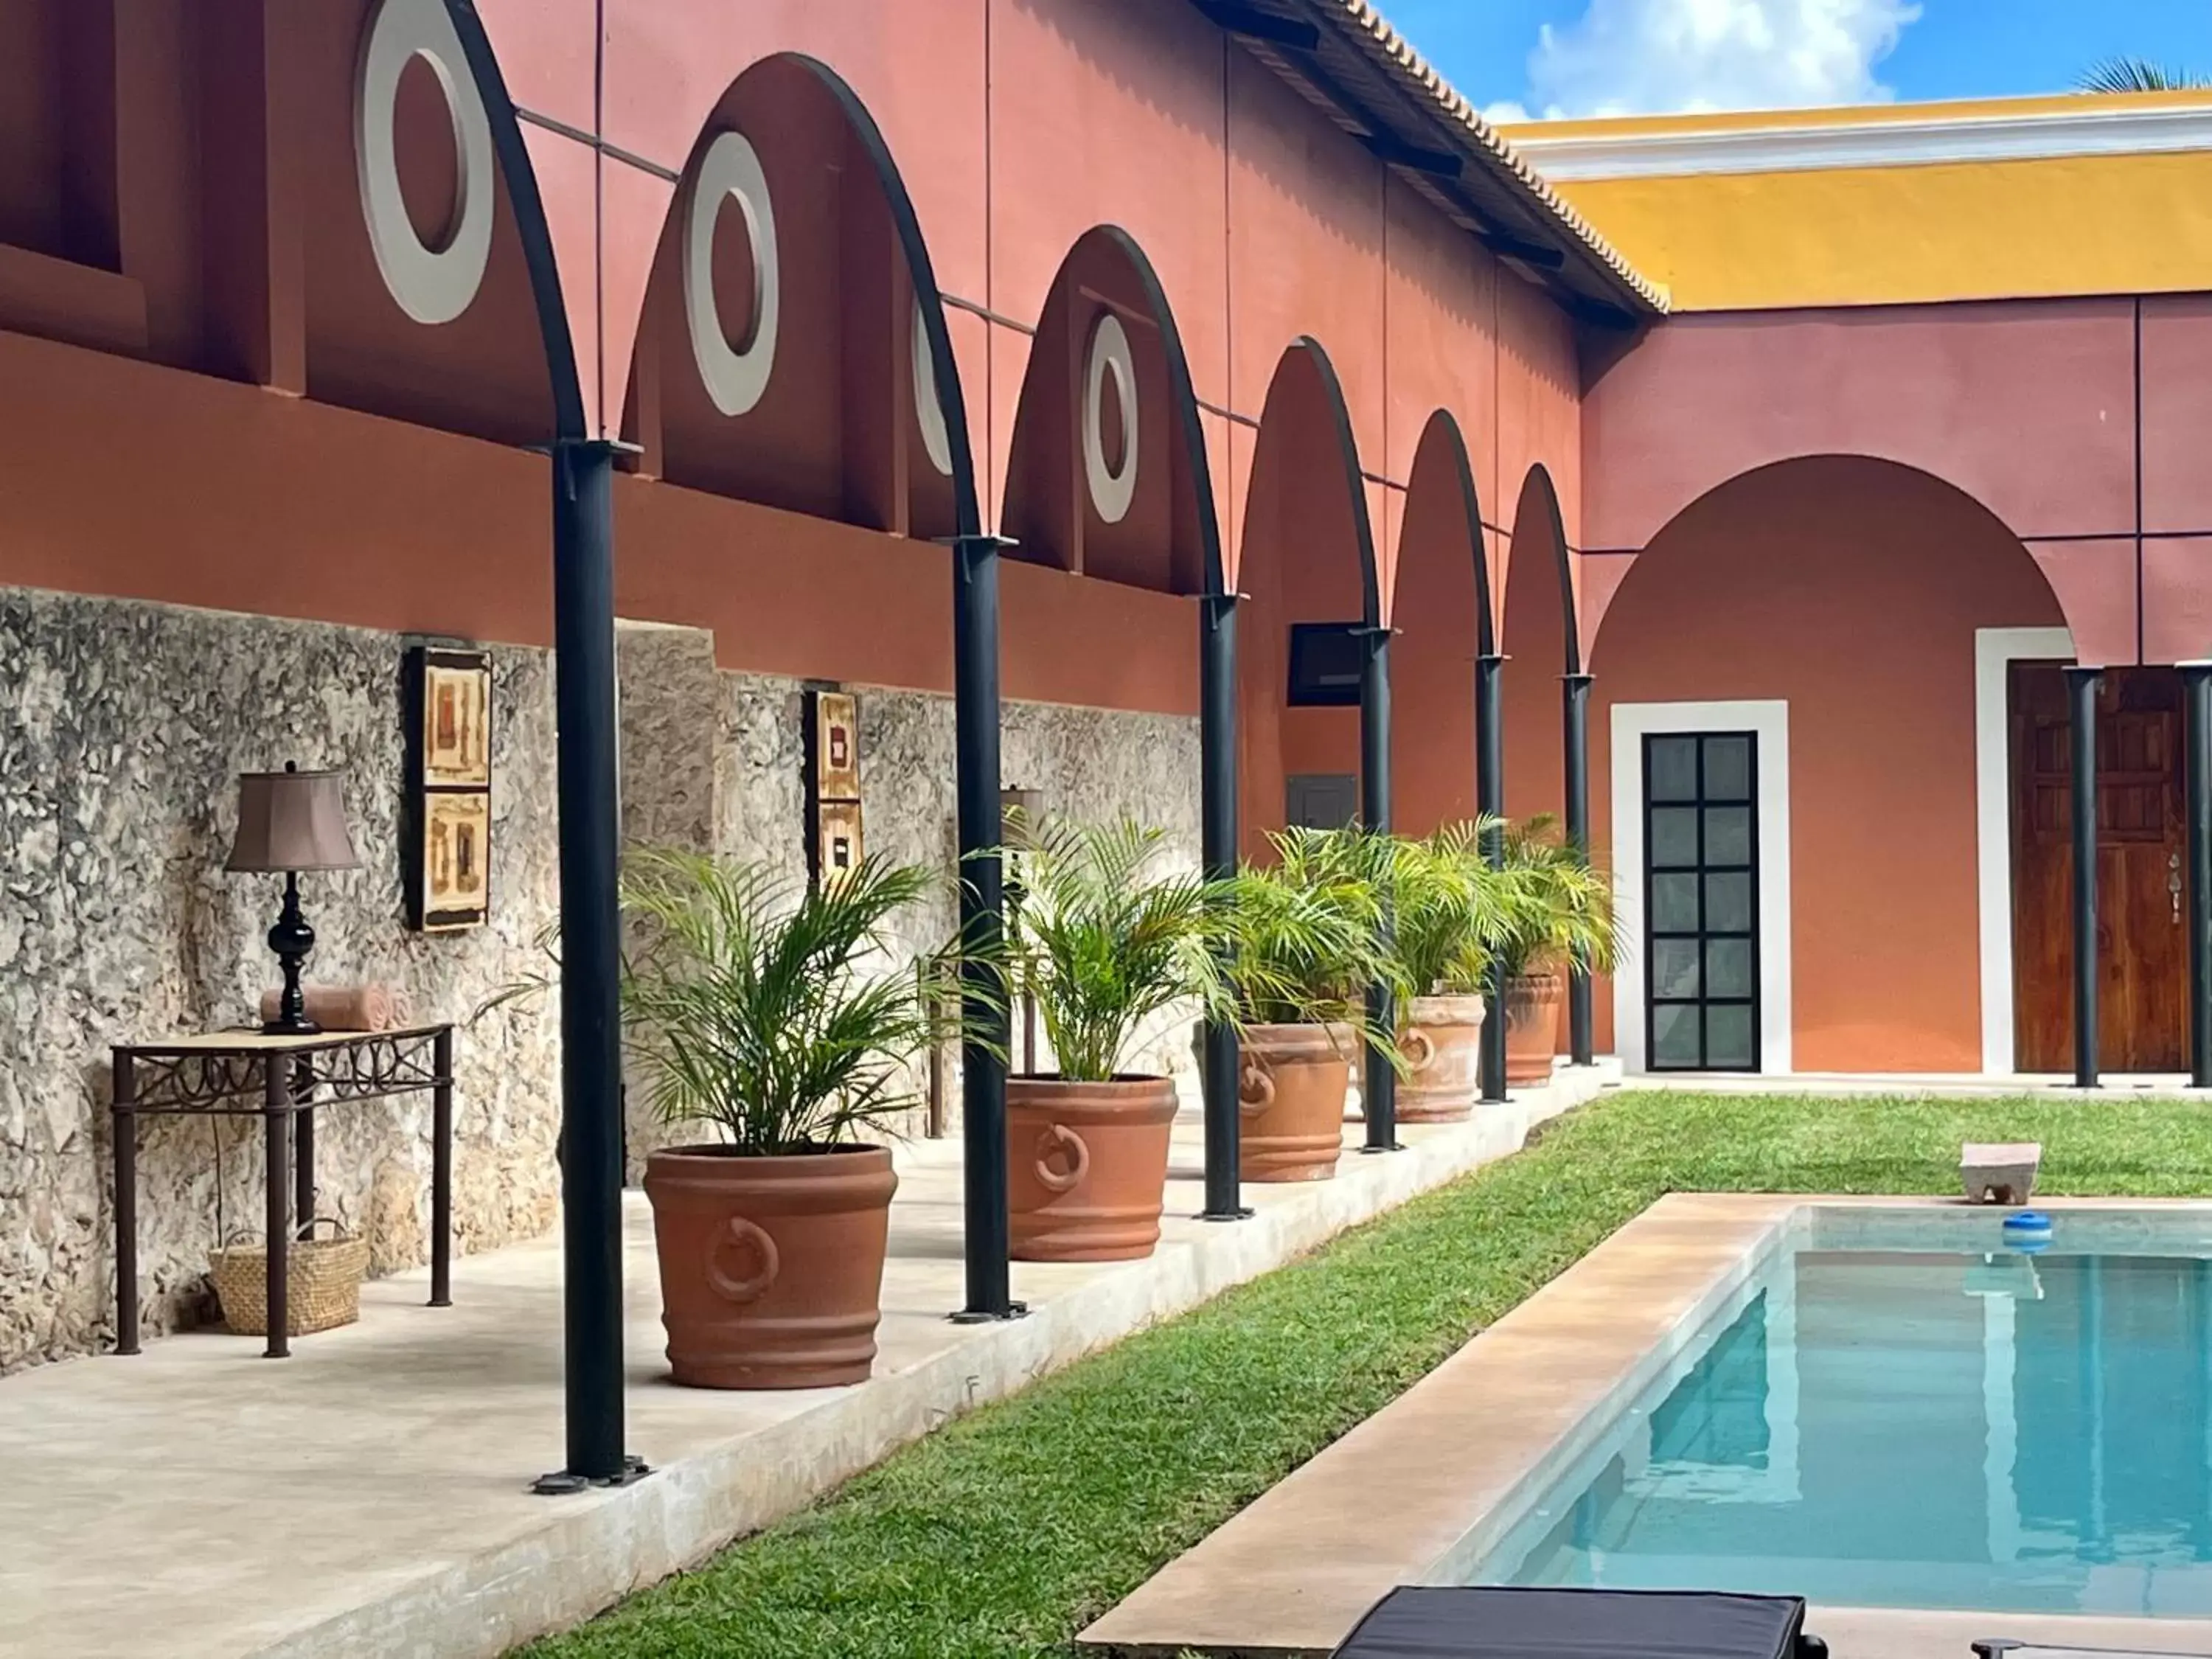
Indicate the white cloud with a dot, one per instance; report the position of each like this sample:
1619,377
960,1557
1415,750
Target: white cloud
1651,57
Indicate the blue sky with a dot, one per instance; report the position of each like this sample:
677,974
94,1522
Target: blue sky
1609,56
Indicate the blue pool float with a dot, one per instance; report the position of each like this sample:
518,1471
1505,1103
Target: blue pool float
2027,1230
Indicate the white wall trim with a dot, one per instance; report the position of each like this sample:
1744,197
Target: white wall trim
1811,147
1632,723
1995,648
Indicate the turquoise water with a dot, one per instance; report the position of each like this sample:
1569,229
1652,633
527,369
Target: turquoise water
1914,1427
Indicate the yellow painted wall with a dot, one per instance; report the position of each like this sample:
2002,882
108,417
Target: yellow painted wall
1908,232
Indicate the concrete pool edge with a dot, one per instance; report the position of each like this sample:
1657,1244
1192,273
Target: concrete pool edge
1435,1477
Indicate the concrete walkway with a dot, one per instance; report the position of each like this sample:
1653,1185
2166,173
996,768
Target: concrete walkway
368,1495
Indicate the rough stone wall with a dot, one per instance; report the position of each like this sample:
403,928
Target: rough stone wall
1093,763
123,728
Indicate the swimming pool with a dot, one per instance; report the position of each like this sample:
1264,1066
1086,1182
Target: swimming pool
1896,1411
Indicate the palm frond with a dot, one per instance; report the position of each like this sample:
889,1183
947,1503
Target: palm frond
2136,74
753,1002
1103,943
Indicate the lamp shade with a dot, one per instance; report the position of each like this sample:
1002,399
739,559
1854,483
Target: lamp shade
290,821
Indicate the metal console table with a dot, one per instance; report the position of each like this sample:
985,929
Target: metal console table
282,1080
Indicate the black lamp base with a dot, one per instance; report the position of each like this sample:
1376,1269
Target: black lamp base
291,939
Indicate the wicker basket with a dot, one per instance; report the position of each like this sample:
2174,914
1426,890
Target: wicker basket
322,1282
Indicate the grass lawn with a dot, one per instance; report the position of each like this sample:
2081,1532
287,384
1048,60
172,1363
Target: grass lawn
1004,1532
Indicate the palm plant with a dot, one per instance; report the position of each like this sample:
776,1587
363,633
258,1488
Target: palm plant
1303,937
1555,906
1448,909
1107,942
748,1001
2135,75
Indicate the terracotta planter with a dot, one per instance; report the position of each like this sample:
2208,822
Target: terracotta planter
1086,1165
1531,1027
1294,1082
771,1267
1444,1049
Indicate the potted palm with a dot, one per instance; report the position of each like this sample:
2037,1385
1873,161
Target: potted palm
749,1004
1556,915
1108,943
1447,909
1302,942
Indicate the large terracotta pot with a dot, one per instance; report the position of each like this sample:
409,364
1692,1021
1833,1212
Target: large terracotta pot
771,1267
1531,1027
1086,1166
1292,1091
1444,1049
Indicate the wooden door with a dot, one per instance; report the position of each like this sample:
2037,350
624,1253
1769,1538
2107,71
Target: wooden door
2142,935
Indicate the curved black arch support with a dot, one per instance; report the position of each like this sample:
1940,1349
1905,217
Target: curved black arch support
1539,479
1489,734
569,422
1220,1064
967,511
1486,627
975,696
590,834
1363,524
1379,1085
1575,685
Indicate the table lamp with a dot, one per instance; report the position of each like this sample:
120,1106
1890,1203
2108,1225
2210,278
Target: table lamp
287,821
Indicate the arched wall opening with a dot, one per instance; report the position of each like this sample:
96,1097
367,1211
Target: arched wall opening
1540,643
1307,557
1440,607
1830,605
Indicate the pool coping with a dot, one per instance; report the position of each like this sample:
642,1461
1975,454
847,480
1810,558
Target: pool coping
1422,1490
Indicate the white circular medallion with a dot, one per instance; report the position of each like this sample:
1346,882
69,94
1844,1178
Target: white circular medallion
432,284
736,376
936,443
1111,492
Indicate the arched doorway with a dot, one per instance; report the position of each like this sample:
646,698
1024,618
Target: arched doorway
1825,687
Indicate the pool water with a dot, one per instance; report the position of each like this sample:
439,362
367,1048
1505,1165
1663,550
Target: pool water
1921,1427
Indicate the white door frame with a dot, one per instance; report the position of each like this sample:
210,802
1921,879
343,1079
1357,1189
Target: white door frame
1769,720
1994,650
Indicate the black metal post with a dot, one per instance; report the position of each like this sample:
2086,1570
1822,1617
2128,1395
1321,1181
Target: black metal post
591,943
2197,680
1580,1037
1220,1064
984,1015
2081,688
1490,802
1379,1083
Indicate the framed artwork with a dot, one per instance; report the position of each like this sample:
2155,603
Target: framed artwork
836,746
831,736
838,845
445,829
457,860
456,720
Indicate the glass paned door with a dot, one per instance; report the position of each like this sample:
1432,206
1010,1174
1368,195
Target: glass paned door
1701,901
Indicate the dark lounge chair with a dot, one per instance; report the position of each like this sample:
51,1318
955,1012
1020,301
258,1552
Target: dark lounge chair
1484,1623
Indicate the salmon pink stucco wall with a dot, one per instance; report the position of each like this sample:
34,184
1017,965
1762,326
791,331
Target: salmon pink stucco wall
1850,589
240,500
1018,126
2077,422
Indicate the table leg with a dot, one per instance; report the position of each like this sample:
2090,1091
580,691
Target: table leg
303,1167
126,1207
277,1120
441,1173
